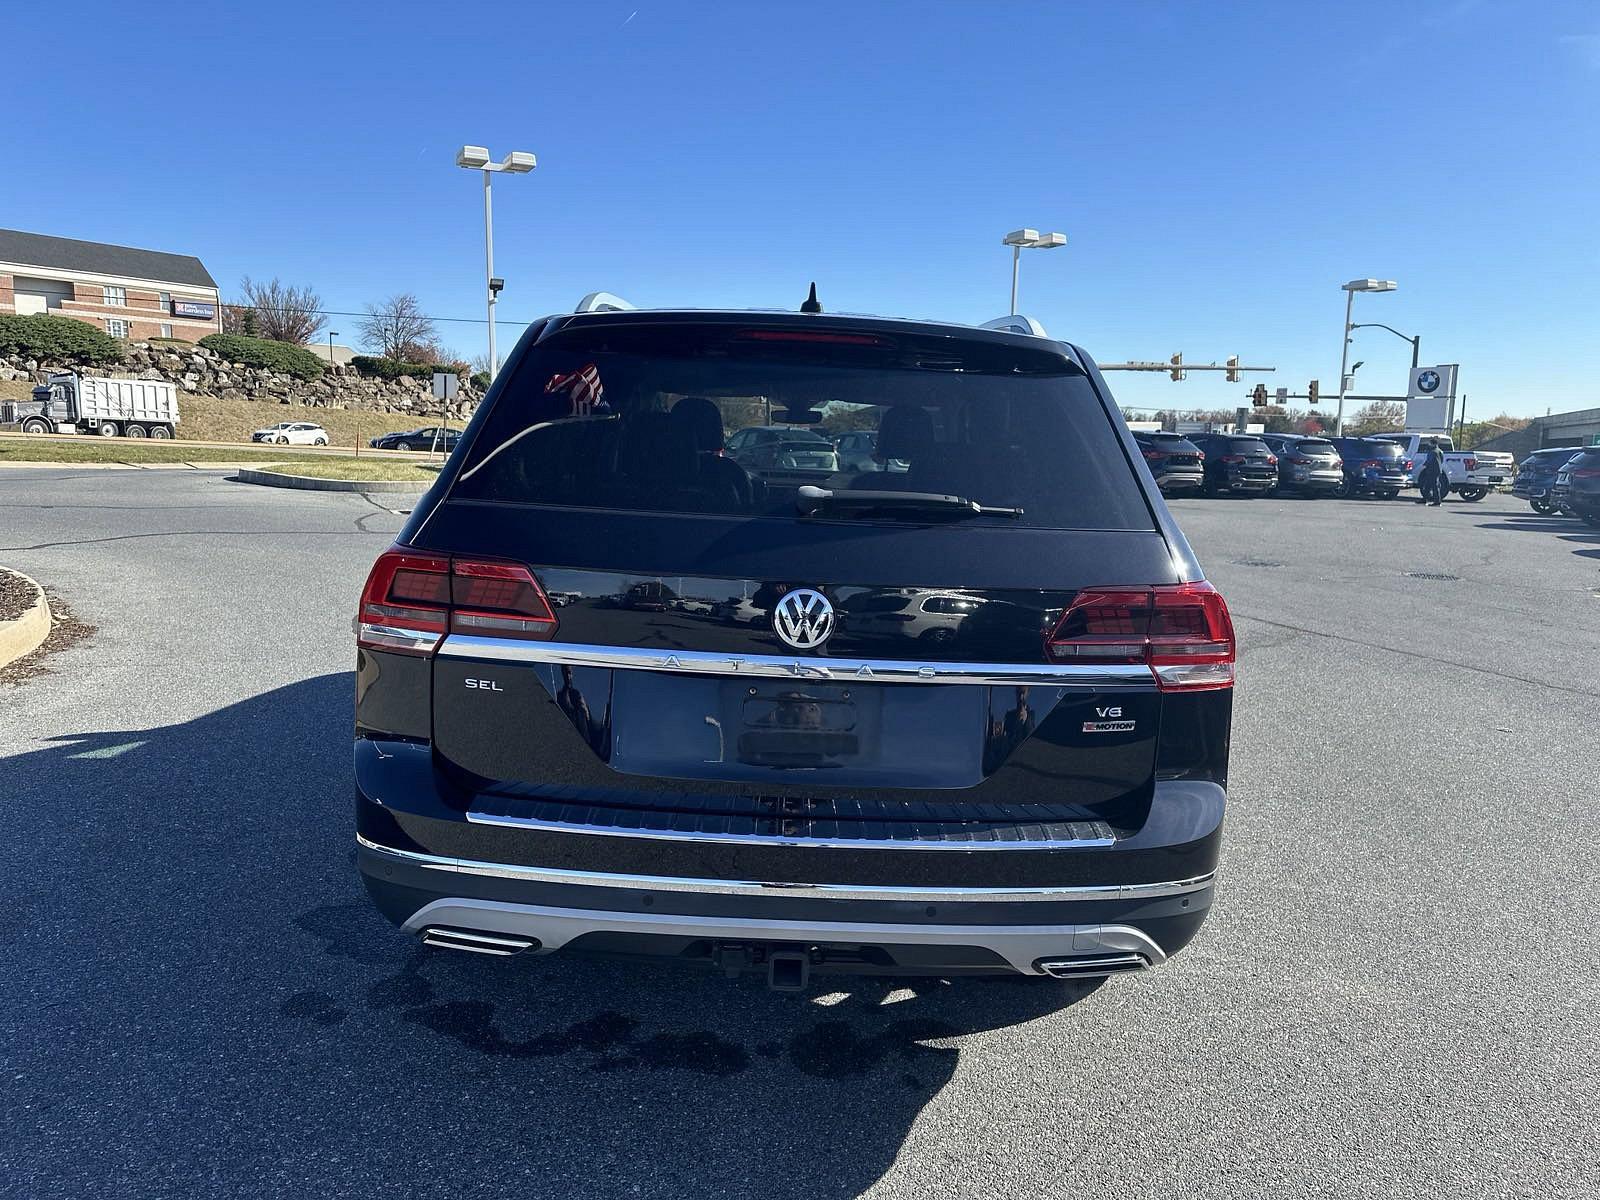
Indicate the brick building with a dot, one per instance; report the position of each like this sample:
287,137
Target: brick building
128,293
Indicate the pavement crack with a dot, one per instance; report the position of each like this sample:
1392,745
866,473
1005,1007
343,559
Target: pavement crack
1430,658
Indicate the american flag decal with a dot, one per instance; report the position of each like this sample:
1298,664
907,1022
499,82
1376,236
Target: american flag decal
583,385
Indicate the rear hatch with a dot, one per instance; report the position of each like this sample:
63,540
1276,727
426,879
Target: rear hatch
680,681
1248,461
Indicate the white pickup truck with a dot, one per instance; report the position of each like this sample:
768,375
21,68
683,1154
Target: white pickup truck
1472,474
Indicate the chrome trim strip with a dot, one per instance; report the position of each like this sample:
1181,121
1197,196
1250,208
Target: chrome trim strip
391,637
770,839
1023,947
815,891
777,666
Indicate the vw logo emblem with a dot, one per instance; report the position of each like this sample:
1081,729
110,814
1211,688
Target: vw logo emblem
1427,381
803,618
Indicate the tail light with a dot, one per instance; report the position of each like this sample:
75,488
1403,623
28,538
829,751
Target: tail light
1406,465
1472,464
412,600
1231,458
1154,454
1583,472
1375,464
1272,460
1181,631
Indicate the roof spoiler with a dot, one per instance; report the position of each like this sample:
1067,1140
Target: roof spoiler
1016,323
603,302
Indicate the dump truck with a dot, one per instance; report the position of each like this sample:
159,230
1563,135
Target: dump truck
73,403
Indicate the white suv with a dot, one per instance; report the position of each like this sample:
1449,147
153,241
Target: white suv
292,433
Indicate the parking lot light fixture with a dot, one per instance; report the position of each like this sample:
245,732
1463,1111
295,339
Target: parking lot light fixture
1350,289
1027,239
518,162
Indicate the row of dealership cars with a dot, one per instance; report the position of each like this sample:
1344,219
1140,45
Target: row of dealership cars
1381,466
1562,480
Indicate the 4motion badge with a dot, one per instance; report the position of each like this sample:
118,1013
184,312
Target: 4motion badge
1109,720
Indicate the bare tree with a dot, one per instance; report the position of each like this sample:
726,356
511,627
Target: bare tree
1381,416
396,328
283,313
239,320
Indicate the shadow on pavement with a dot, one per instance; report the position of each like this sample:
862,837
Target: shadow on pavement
201,1000
1568,529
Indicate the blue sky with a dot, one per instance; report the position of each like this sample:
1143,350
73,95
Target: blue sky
1219,169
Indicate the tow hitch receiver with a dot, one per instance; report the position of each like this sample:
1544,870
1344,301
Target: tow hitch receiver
788,972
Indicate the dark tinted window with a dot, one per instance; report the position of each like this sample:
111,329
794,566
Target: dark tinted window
1243,445
1588,461
637,417
1362,449
1167,443
1314,447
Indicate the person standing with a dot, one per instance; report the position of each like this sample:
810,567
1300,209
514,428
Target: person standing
1431,480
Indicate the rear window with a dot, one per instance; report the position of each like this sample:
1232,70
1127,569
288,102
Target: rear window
1373,450
1243,445
1313,446
718,419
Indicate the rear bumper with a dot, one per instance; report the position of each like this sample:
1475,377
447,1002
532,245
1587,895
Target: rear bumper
1180,480
988,909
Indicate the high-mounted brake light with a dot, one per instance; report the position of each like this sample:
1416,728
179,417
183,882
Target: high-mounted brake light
1181,631
412,600
806,335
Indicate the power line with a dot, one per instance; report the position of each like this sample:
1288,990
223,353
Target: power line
335,312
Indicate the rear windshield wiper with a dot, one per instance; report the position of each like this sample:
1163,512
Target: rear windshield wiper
815,502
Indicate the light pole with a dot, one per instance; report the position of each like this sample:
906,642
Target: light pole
518,162
1350,289
1416,342
332,333
1027,239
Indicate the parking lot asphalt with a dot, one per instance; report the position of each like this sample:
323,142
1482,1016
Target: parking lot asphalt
1396,995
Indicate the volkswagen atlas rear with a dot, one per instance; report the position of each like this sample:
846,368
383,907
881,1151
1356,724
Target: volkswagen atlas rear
1038,790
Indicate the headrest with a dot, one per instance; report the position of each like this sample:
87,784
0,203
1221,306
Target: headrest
700,420
905,433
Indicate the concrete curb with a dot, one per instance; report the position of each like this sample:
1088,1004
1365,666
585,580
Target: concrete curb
310,483
24,634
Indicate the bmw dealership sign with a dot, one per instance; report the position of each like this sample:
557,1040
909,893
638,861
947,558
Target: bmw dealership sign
1432,381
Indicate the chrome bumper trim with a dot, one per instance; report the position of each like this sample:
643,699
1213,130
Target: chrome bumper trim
776,666
815,891
508,821
1025,948
391,637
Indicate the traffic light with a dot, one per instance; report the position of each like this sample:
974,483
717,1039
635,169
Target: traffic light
1311,392
1258,397
1233,368
1177,366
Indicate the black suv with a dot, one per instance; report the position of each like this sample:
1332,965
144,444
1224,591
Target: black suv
1236,462
1177,463
1038,790
1536,476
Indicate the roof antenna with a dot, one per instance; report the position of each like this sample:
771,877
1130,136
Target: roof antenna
812,304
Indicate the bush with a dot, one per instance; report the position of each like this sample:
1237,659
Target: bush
259,352
58,339
480,380
393,368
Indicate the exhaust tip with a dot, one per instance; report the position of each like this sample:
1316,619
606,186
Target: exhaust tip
475,942
1081,968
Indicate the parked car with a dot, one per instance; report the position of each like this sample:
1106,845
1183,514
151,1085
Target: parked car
784,454
1536,475
1577,486
763,796
1308,466
1236,462
1372,467
430,437
292,433
935,618
1176,462
1471,474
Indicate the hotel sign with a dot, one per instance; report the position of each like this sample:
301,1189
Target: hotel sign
194,308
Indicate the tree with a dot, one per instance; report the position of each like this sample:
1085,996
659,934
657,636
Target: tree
240,321
1381,416
396,328
282,313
